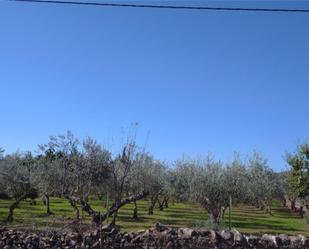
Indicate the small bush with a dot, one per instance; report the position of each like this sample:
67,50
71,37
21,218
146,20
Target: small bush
211,224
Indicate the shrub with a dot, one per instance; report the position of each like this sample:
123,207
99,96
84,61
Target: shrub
211,224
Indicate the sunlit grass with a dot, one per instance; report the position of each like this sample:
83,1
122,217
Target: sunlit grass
246,219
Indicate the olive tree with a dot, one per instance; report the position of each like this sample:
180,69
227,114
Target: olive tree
120,170
94,173
168,191
210,183
77,169
262,182
210,188
68,159
181,180
238,179
138,180
15,172
156,182
46,175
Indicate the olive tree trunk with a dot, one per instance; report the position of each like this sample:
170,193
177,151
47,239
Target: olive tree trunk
135,216
12,207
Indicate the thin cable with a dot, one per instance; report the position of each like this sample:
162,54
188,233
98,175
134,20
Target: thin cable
164,6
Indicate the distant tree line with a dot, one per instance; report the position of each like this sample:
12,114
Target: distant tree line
72,169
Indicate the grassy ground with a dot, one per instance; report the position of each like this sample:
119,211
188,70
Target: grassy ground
246,219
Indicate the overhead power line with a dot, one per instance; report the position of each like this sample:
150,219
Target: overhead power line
175,7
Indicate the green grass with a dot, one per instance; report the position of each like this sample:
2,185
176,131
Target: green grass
246,219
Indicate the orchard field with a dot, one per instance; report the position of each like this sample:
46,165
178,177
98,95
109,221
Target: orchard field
139,190
246,219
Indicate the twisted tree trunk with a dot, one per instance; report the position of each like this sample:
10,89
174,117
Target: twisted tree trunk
301,211
46,202
153,201
166,202
115,214
150,210
161,205
73,202
216,215
100,217
12,207
293,205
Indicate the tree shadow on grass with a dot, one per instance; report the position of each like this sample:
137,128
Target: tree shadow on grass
131,220
188,216
182,211
246,225
256,220
297,217
63,210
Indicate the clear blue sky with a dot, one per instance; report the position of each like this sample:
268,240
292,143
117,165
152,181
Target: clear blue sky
198,81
